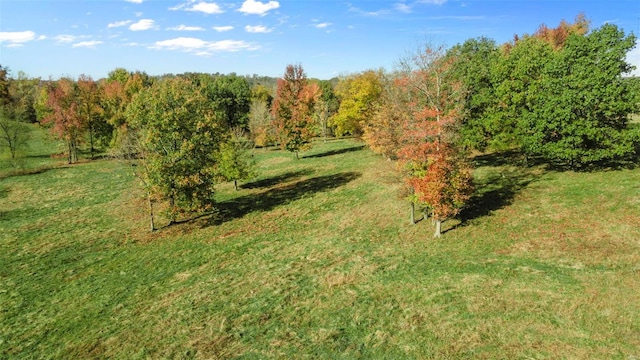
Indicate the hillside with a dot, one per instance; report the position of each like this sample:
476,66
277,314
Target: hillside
316,259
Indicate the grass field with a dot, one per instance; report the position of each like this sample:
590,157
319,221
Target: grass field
316,259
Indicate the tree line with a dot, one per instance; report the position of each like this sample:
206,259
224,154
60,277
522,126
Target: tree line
559,95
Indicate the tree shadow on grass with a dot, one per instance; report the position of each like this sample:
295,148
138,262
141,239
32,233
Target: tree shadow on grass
495,192
335,152
33,171
498,189
508,157
270,199
272,181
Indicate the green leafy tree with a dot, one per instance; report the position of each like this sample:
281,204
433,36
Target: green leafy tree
14,133
91,111
359,97
236,162
180,136
292,110
22,91
231,96
261,93
117,92
581,111
473,66
326,106
517,88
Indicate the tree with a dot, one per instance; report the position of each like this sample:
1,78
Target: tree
4,85
236,161
359,95
326,106
383,132
474,63
292,110
180,136
13,133
580,112
64,116
557,37
261,126
117,93
517,86
22,91
231,95
91,111
435,165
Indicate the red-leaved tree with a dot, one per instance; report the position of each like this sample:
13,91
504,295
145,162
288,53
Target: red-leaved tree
436,167
293,110
64,115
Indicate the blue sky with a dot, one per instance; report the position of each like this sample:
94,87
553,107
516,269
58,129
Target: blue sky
329,38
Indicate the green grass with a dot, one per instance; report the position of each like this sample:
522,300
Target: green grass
316,259
41,153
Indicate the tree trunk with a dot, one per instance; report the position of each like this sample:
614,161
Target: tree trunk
150,202
297,157
413,213
69,149
172,206
235,184
91,138
438,232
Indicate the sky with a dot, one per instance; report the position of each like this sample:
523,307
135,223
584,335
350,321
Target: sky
329,38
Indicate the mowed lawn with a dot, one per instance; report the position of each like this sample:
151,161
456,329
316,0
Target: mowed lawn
316,258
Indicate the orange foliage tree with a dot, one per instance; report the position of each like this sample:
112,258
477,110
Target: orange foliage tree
556,37
383,131
436,167
293,109
64,115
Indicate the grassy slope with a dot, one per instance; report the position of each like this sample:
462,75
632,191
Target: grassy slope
35,157
317,259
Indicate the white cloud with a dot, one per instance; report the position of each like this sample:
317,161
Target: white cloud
201,6
432,2
323,25
138,14
207,8
42,37
257,8
200,46
367,13
186,28
143,24
17,37
222,28
65,38
135,1
180,43
119,23
92,43
257,29
402,7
